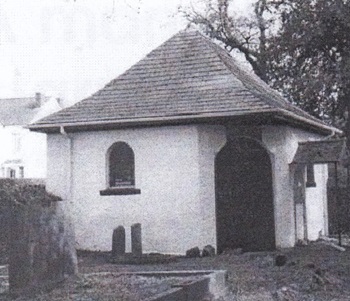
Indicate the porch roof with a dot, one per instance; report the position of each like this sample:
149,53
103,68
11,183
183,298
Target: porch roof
188,78
323,151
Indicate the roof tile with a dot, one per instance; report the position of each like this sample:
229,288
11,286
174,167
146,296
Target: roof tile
187,75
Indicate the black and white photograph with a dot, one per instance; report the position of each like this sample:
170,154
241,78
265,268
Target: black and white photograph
180,150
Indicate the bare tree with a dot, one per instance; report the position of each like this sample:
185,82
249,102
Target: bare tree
245,34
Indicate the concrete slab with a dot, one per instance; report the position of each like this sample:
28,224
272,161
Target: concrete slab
213,282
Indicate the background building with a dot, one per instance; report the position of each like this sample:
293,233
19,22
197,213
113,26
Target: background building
23,153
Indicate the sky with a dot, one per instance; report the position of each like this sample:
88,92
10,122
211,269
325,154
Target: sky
70,49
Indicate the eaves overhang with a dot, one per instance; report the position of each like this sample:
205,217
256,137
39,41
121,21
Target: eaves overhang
307,123
261,117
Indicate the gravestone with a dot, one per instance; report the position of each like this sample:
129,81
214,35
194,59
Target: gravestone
193,253
136,240
118,242
208,251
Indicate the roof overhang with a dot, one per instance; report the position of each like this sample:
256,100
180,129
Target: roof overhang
313,124
321,152
261,117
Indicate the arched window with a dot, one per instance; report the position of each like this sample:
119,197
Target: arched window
121,165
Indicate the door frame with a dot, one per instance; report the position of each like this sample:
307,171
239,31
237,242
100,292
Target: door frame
237,139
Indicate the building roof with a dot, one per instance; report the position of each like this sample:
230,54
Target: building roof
323,151
17,111
23,111
187,78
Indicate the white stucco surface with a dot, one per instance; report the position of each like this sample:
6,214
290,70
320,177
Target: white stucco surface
174,168
166,170
316,204
211,140
282,142
59,165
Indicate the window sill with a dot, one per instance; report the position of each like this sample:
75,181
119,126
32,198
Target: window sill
120,191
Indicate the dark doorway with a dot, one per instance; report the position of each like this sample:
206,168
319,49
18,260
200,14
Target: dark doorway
244,197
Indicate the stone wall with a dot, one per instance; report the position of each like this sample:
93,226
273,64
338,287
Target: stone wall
40,246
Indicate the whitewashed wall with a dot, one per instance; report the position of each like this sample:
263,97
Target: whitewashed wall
34,154
282,142
6,143
174,168
316,204
211,140
166,171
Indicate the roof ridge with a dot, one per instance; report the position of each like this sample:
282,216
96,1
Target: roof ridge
241,71
188,76
256,81
148,55
16,98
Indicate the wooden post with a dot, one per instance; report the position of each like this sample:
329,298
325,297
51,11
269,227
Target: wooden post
339,226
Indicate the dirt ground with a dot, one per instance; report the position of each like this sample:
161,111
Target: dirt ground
315,272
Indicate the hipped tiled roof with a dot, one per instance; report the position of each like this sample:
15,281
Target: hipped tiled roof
186,77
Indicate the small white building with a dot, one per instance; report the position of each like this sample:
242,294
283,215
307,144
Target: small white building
192,147
22,152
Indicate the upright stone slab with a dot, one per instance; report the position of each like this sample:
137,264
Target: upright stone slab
118,242
41,244
136,240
